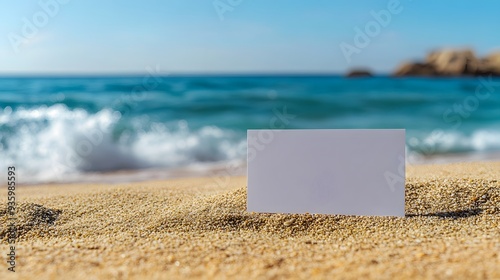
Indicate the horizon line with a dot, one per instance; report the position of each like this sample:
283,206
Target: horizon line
177,74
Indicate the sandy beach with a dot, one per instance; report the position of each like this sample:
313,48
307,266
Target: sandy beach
199,228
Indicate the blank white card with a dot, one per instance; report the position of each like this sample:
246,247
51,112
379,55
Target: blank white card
327,171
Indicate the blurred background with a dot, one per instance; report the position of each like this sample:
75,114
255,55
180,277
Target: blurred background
92,88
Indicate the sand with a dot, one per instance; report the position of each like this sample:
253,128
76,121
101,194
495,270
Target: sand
197,228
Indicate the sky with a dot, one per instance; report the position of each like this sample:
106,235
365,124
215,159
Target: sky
236,36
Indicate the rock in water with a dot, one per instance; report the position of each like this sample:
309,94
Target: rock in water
450,62
453,62
415,69
491,64
359,73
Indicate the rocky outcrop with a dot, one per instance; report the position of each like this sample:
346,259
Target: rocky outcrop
415,69
491,63
359,73
451,62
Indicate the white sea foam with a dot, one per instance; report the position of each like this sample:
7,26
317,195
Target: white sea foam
55,143
454,146
49,143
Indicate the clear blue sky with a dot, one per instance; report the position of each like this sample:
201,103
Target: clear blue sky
90,36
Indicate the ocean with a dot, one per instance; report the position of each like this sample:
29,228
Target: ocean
55,129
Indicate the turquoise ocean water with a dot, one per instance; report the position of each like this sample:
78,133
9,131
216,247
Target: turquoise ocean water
51,128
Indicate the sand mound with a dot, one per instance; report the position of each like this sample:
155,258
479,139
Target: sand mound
31,218
453,198
425,203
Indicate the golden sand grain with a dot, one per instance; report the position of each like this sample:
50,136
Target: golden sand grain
192,228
